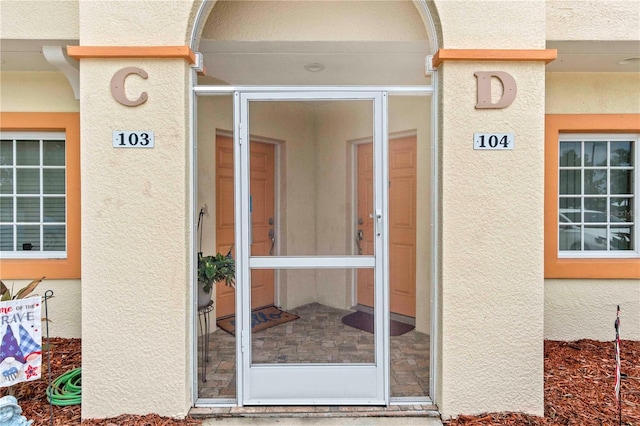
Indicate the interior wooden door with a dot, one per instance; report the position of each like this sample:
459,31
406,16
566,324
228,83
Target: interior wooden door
225,296
262,158
364,233
402,224
262,177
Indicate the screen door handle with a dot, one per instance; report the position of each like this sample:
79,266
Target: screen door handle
377,216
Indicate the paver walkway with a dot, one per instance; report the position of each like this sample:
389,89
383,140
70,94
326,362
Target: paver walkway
319,336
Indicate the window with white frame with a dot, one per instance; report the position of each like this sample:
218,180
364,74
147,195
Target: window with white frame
598,188
33,195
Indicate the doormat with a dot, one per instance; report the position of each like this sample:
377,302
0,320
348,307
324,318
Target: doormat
364,321
261,319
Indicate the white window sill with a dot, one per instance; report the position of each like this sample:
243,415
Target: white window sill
598,254
22,255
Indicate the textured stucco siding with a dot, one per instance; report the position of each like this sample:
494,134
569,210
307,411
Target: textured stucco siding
491,213
593,93
135,23
46,92
135,244
136,216
313,21
492,24
492,251
36,92
495,306
593,20
585,308
34,20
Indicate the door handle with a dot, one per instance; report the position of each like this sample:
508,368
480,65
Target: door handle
359,237
377,216
272,237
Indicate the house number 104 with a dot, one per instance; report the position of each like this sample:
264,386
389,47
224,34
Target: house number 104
493,140
133,139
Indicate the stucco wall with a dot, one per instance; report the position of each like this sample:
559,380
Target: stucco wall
135,244
306,20
135,23
136,202
494,24
491,214
136,216
39,19
592,93
593,20
585,309
492,253
36,92
46,92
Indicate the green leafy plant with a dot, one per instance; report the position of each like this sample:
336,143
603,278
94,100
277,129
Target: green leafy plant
218,268
6,294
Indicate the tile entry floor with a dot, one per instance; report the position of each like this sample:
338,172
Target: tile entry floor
318,336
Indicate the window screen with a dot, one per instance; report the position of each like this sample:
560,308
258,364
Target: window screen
598,195
32,195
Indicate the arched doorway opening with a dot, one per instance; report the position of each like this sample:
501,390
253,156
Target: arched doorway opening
334,196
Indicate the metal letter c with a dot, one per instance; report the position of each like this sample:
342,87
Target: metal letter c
117,86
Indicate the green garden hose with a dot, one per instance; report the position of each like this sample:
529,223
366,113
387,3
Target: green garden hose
66,389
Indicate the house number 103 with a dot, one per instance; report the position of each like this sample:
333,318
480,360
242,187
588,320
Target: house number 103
133,139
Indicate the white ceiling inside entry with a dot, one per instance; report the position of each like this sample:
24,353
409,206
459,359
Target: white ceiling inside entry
313,63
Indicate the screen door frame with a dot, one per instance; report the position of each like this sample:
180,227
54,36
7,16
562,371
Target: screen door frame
311,384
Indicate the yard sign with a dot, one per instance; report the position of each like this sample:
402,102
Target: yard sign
21,345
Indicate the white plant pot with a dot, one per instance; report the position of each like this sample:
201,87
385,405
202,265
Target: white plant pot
203,297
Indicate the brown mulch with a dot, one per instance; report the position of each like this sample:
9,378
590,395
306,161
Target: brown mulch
148,420
65,356
579,381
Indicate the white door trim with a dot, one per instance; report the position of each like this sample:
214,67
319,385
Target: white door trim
435,252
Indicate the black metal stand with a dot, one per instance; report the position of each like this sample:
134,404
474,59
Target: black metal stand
204,325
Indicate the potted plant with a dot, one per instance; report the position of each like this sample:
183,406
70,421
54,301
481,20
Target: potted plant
211,270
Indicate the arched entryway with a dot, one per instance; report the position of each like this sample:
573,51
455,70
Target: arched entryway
313,83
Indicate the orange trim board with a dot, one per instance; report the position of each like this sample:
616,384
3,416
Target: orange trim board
68,268
179,52
508,55
555,267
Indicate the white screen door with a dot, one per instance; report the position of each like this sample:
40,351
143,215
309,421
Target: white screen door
308,246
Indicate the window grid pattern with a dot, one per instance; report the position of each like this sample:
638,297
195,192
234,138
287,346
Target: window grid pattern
597,195
33,195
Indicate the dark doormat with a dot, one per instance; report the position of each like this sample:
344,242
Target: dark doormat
261,318
364,321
